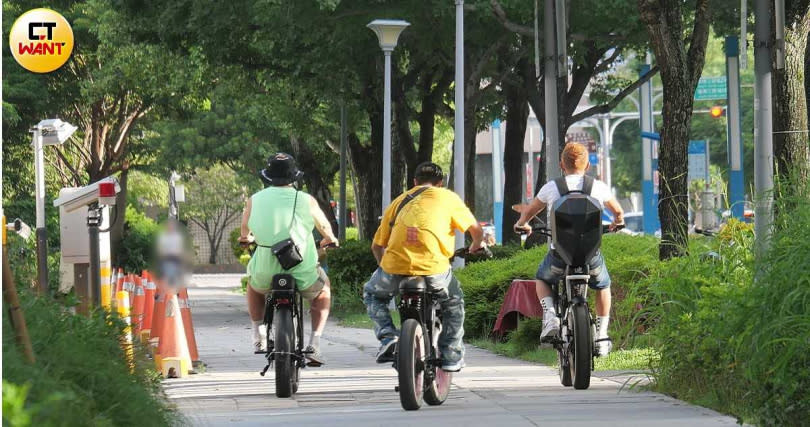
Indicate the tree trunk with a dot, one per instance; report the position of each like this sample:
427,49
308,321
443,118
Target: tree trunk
316,177
673,202
517,112
790,139
366,165
117,228
680,66
807,80
470,127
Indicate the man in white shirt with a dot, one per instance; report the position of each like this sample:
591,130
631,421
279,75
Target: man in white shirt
574,165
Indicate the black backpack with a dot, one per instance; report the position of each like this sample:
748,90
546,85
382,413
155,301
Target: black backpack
576,223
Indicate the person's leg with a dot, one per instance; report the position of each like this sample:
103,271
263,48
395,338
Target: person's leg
255,305
319,308
447,289
377,295
600,283
549,271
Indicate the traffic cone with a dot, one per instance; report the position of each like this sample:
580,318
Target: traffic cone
138,303
174,360
126,340
159,312
149,306
188,326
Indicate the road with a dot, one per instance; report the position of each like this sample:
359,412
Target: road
352,390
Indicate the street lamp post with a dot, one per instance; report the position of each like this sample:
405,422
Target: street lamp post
458,147
387,32
46,132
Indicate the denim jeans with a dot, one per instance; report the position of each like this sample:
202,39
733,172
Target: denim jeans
381,289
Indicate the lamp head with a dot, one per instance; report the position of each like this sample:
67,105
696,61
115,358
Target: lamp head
387,31
55,131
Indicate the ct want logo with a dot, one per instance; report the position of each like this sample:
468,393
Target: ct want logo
41,40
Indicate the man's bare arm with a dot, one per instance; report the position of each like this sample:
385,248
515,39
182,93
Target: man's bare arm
529,211
618,213
321,223
244,230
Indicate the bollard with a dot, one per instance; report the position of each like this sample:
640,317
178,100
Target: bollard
122,299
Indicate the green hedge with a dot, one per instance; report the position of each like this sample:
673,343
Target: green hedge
138,243
628,258
80,376
349,267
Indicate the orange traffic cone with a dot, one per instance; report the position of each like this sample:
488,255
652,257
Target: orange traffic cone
174,358
138,303
159,312
188,325
149,306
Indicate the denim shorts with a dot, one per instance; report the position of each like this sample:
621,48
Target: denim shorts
552,270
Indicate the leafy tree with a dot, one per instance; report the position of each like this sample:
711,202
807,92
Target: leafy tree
680,60
215,198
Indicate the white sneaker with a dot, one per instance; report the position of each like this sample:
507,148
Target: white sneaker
603,346
260,339
551,326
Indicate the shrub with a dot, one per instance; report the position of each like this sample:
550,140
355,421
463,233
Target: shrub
350,266
80,376
628,258
138,244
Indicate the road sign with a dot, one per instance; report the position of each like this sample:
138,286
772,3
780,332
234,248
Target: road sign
711,88
698,160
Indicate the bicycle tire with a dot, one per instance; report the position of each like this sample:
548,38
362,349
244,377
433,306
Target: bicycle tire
283,360
410,365
581,349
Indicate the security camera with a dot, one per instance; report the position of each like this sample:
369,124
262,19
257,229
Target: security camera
102,192
19,227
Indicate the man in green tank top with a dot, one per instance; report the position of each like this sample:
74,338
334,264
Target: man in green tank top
272,215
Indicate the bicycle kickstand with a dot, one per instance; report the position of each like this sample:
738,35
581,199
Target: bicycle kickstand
264,371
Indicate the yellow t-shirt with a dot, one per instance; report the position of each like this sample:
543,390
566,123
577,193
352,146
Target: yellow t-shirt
423,238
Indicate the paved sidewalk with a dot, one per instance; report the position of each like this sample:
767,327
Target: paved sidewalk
352,390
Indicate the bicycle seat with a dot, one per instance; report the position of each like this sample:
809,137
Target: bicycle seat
412,284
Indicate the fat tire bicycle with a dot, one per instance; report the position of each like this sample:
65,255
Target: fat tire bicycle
417,360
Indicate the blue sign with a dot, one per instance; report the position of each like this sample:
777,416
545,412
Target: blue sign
593,158
698,160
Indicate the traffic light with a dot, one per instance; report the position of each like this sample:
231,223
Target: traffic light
717,111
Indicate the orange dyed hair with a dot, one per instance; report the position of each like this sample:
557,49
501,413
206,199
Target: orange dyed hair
575,157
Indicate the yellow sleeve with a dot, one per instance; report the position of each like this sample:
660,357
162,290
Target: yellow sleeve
384,230
460,216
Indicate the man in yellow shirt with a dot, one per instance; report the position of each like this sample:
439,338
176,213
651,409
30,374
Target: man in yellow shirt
417,238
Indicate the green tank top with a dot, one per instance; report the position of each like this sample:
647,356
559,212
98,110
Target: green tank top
270,216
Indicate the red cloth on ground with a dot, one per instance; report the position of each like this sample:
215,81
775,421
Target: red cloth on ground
520,298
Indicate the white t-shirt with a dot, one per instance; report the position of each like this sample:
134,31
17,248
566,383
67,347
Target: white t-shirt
549,194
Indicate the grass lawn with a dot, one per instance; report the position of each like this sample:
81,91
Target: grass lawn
635,359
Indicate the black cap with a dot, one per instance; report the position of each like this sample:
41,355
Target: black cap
429,172
281,170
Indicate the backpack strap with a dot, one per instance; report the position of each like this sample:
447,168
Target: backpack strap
404,202
562,186
587,185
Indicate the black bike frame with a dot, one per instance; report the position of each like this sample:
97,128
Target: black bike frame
420,305
287,296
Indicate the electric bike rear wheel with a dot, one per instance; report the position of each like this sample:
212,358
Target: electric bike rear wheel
581,347
411,364
436,393
286,365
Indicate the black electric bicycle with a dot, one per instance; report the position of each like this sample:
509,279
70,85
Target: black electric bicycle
574,341
284,310
417,359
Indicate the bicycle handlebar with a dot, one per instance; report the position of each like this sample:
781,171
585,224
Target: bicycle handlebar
465,251
547,232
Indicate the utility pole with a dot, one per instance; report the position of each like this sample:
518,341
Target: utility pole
763,129
342,210
552,128
734,120
458,147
